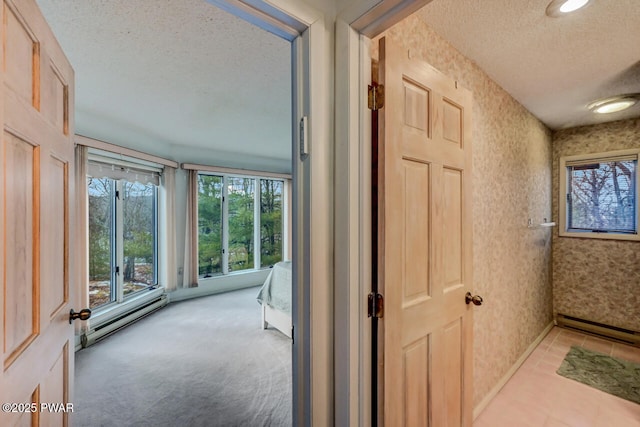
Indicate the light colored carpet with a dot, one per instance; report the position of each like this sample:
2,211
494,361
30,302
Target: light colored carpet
201,362
609,374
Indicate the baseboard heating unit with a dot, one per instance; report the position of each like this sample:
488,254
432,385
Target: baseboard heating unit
607,331
104,329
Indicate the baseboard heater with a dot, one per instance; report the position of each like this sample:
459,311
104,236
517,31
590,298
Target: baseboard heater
107,328
619,334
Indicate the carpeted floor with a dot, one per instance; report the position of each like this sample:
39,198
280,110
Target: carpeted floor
201,362
609,374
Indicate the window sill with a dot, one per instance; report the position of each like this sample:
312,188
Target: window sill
601,236
219,276
221,283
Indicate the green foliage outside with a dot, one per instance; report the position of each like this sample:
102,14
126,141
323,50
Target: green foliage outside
138,230
270,222
241,194
241,201
209,225
100,220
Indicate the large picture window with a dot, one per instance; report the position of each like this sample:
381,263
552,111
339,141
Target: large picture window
599,195
123,243
240,223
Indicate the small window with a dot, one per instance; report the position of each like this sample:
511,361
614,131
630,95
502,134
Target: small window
598,195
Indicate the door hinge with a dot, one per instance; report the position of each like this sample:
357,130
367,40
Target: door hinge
117,195
376,305
376,96
117,270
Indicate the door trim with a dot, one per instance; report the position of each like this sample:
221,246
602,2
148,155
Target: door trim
353,263
312,370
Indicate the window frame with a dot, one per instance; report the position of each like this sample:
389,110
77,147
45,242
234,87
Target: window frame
257,194
563,189
116,233
155,242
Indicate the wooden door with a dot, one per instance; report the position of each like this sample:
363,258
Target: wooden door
36,94
425,244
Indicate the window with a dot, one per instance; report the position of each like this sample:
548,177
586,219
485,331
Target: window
240,223
599,195
270,221
122,231
241,216
209,225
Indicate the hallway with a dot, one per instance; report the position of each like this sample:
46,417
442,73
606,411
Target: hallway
538,397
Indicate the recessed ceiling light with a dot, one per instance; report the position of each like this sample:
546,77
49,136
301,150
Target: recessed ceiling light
571,5
562,7
613,104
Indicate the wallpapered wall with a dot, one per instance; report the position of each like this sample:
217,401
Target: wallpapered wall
511,182
596,279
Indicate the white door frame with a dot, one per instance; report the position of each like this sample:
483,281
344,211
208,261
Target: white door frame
312,194
331,197
355,26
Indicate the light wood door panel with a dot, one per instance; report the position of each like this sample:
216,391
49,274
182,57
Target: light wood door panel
21,284
36,93
424,244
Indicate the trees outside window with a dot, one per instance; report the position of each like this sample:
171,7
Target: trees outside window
101,242
602,196
122,239
139,235
270,221
598,195
239,223
241,195
209,225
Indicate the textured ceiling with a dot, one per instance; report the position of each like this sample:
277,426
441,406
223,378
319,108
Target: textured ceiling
176,73
184,74
553,66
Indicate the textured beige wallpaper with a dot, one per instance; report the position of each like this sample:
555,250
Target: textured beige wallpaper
512,182
594,279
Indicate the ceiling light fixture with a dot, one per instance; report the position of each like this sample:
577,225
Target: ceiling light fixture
559,8
613,104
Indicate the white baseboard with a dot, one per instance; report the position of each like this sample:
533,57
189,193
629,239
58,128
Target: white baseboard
494,391
220,284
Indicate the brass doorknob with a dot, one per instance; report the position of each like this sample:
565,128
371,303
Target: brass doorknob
475,299
83,314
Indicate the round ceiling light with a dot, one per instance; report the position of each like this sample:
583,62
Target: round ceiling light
562,7
613,104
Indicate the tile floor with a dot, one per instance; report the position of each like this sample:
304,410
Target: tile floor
538,397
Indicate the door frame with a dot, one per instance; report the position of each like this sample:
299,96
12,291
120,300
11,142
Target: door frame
312,223
332,334
355,27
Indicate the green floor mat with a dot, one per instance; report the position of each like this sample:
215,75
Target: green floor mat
609,374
